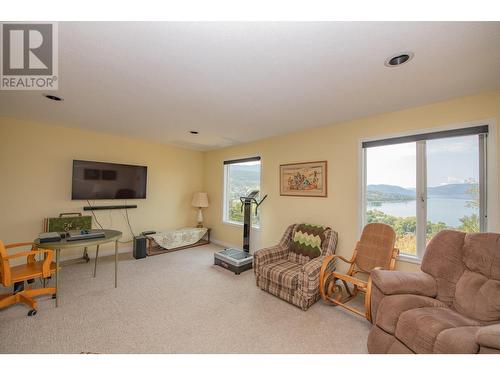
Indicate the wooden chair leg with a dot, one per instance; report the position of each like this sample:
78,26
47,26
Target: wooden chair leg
335,296
352,309
27,300
39,292
26,297
8,299
368,296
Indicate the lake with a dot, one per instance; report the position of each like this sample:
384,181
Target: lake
447,210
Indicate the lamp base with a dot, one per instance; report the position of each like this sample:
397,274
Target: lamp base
200,218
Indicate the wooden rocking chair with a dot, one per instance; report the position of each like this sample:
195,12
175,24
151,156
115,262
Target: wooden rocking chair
374,250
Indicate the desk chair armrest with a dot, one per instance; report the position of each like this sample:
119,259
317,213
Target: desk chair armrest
19,244
30,255
27,253
31,258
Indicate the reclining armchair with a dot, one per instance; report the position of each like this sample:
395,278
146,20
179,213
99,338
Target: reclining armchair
452,306
290,270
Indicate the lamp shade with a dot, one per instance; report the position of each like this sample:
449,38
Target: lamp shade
200,200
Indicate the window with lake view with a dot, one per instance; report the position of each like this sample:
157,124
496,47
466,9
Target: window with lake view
240,177
421,185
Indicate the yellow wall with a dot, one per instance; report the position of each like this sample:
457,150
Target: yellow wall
36,170
339,144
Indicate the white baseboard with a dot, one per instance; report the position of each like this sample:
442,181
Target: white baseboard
222,243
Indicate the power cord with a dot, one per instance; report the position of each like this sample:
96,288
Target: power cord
129,227
128,221
93,214
126,217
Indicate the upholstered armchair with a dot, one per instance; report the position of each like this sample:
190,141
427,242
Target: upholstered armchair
451,306
290,270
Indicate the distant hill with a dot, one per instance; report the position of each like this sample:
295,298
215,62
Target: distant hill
394,193
388,193
390,189
462,191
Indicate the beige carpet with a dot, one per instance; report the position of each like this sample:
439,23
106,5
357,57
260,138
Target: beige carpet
174,303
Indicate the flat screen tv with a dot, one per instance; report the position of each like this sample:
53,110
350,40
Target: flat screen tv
96,180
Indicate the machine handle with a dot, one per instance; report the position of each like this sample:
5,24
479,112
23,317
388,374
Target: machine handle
252,200
70,213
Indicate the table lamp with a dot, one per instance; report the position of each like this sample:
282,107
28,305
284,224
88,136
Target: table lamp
200,200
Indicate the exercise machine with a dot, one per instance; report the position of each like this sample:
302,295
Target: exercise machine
237,260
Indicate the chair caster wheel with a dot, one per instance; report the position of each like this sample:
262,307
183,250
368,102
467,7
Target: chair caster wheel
32,312
53,296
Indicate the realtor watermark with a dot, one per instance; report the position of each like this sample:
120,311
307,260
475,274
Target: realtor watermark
29,56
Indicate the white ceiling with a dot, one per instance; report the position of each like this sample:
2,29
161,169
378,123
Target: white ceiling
239,82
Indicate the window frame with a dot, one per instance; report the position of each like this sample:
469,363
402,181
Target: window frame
226,164
488,180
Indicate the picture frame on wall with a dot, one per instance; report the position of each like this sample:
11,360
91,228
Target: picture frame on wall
307,179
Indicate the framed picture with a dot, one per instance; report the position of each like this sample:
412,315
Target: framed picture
304,179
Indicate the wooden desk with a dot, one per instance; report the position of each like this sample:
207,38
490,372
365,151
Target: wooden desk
110,236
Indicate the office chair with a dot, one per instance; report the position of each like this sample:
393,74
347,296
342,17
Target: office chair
17,275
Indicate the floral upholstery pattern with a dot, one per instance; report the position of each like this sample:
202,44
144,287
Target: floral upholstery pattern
180,237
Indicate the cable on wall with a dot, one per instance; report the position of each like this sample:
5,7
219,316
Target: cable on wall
95,217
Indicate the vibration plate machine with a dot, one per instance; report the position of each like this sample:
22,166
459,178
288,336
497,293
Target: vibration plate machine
237,260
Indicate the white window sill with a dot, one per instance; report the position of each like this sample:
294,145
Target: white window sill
409,259
238,225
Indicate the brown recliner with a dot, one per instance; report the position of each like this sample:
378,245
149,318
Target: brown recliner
452,306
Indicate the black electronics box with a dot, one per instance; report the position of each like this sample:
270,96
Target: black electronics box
139,247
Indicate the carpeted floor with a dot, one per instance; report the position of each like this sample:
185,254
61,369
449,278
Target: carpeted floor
174,303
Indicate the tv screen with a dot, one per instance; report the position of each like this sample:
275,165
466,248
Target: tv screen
96,180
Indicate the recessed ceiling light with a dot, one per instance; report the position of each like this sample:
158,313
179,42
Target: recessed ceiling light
53,97
194,132
399,59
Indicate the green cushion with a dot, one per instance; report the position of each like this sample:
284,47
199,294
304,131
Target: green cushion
307,240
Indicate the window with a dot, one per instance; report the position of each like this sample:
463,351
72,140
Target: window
240,177
425,183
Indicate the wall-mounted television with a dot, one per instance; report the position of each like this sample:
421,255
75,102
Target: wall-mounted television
97,180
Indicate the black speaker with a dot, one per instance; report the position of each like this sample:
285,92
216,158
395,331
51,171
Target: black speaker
139,247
